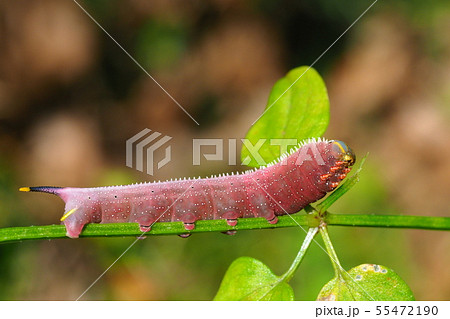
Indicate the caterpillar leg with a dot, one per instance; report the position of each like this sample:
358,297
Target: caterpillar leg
144,228
74,219
73,229
232,222
264,210
145,223
270,216
231,217
189,226
189,220
274,220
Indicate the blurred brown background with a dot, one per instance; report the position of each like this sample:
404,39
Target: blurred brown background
69,99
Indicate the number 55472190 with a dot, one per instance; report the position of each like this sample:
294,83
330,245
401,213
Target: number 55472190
407,310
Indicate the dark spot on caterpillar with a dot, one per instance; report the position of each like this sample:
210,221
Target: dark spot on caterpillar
303,177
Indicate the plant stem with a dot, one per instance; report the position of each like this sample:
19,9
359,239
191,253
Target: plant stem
301,253
330,250
14,234
389,221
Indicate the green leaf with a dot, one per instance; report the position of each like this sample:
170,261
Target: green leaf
367,282
297,109
249,279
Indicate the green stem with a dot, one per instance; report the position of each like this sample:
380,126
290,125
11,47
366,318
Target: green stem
330,250
301,253
389,221
15,234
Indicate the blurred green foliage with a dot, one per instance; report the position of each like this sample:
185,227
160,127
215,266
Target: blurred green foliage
160,44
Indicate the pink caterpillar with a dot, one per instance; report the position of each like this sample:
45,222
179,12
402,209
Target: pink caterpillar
285,186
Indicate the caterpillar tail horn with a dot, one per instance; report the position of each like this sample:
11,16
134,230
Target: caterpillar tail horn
42,189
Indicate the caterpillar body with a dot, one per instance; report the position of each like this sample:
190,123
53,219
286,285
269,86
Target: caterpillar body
298,178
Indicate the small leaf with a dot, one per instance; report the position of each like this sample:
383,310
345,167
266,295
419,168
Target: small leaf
250,279
297,109
367,282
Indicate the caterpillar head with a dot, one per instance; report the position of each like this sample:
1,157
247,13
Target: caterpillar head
344,153
343,159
